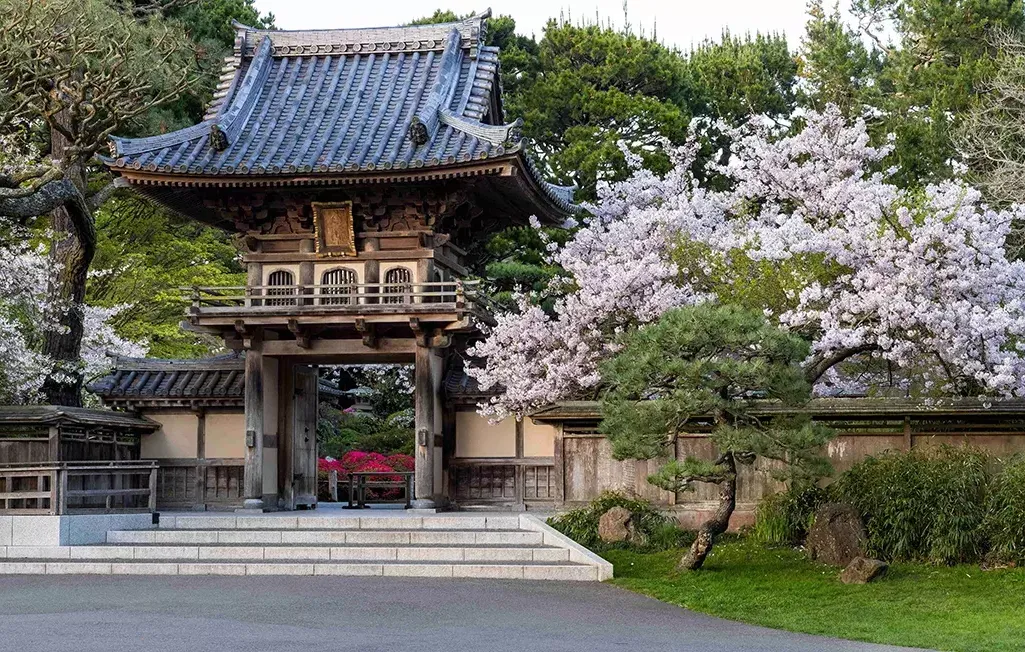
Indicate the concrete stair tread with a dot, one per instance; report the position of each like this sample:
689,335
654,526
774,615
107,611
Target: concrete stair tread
296,562
502,546
333,529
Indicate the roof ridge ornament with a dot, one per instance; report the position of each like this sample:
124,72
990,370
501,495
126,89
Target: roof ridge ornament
424,124
506,135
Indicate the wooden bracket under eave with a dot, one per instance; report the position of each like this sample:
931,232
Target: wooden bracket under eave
302,335
249,337
367,331
418,332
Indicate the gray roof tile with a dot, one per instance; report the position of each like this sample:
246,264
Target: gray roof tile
350,100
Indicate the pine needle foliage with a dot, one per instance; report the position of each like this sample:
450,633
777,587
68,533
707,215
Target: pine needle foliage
704,368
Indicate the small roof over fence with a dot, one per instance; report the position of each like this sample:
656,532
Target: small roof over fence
157,382
830,408
14,418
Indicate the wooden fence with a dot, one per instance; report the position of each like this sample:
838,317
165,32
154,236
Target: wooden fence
200,483
585,466
507,481
78,487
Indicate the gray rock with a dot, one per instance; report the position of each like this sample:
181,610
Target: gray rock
837,537
614,525
863,570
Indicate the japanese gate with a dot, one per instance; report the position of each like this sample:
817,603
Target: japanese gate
361,169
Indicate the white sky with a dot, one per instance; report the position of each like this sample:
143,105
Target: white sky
680,22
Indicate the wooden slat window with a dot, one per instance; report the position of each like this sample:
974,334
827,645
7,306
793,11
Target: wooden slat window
398,281
340,283
286,279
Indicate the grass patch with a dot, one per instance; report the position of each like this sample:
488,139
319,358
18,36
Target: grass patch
948,608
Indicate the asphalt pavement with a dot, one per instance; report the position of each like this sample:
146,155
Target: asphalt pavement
282,614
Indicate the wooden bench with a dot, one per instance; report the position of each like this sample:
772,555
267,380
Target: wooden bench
361,481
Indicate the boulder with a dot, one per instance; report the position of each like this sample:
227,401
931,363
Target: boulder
615,525
837,536
863,570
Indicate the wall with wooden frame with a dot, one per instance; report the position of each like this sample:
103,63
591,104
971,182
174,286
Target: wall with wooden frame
508,463
584,466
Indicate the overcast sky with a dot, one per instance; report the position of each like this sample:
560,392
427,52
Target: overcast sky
679,22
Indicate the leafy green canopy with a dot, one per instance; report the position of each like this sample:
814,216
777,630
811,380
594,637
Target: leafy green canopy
145,253
925,65
704,367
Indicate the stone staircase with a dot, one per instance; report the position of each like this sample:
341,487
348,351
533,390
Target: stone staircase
500,546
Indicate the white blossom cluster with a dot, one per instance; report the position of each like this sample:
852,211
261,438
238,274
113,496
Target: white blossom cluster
28,312
918,278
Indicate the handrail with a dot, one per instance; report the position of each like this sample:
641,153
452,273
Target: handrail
51,489
337,296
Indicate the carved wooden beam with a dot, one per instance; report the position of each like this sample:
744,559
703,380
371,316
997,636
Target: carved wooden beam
418,332
248,336
367,331
302,335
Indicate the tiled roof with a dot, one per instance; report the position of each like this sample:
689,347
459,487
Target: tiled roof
152,380
341,101
14,416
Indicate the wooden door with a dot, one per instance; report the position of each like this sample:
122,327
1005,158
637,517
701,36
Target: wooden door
304,437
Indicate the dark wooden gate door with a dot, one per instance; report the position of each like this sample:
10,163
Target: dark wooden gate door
304,437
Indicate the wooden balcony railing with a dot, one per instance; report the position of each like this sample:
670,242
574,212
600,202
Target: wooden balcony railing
78,487
343,298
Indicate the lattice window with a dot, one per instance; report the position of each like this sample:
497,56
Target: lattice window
398,282
340,286
284,281
485,482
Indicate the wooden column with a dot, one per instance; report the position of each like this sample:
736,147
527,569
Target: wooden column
253,473
371,268
199,504
423,394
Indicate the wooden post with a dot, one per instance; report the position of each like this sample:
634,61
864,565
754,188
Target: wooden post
199,504
423,393
332,485
254,278
62,502
372,269
559,467
521,488
253,473
153,489
55,444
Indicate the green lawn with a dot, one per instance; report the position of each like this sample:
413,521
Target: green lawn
947,608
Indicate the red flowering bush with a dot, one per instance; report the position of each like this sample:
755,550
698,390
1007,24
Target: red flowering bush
364,462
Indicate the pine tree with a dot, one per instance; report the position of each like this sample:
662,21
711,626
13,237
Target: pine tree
705,367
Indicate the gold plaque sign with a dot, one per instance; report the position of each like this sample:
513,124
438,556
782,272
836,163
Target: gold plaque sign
332,225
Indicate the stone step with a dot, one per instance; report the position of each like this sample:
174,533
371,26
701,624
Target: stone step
327,537
291,553
530,571
399,521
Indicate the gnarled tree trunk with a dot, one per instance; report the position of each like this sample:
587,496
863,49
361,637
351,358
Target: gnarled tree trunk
720,520
73,250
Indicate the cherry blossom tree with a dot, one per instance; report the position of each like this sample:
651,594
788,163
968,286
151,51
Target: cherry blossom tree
28,310
807,231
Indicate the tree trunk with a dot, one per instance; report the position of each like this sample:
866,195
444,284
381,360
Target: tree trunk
73,249
720,520
64,385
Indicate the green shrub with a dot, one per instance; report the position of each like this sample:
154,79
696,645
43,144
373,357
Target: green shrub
920,505
340,432
783,518
660,532
1005,514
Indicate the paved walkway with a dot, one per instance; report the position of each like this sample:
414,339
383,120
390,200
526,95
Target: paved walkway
285,614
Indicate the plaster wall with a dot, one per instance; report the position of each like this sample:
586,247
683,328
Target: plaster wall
175,439
225,434
538,439
475,437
